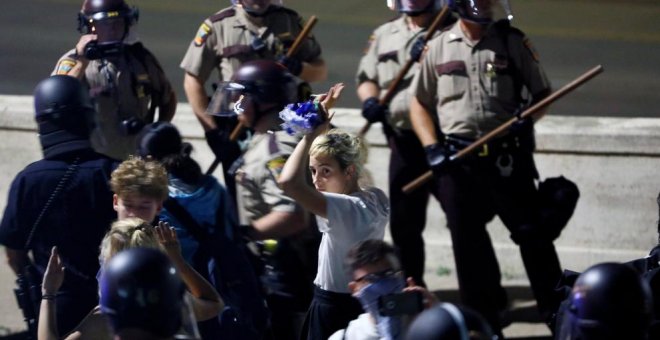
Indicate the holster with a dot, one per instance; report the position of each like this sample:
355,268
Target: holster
558,198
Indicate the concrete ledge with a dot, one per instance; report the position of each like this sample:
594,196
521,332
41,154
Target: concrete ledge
614,161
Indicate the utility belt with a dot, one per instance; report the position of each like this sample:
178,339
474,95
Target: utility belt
503,145
501,155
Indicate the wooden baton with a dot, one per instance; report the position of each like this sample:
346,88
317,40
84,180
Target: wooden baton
504,127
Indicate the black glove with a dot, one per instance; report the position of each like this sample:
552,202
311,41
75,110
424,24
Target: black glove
417,49
373,111
294,65
523,129
222,147
438,158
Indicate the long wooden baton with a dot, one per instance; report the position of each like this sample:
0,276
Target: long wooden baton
294,48
406,67
504,127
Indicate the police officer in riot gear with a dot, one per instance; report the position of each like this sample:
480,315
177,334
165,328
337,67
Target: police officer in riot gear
390,46
124,78
62,200
608,301
473,78
248,30
258,91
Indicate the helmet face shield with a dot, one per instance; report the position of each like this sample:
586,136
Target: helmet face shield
227,100
109,30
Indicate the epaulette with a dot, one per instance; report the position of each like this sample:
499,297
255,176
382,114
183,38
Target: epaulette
226,13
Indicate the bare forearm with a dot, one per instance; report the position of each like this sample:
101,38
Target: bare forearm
422,123
293,180
277,224
368,89
47,328
314,71
198,100
197,285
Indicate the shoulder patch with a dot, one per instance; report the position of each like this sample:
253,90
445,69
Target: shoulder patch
275,166
202,34
528,45
229,12
65,66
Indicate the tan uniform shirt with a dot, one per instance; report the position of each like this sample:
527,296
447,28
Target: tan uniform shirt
224,41
475,87
257,189
122,88
387,52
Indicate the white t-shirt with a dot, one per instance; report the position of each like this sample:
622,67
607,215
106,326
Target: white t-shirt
351,218
362,328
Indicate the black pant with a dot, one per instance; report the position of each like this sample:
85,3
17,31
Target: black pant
471,194
328,313
408,211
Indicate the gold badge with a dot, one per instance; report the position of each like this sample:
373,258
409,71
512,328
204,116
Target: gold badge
490,70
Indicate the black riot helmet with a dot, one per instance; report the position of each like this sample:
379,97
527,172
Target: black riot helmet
447,321
264,82
109,19
479,11
63,111
141,289
415,7
608,301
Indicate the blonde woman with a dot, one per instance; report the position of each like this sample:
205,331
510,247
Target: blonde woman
124,234
345,213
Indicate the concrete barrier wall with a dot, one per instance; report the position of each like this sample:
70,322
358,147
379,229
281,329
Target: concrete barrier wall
614,161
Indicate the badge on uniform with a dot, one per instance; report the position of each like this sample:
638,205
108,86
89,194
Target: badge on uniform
65,66
202,34
275,166
490,70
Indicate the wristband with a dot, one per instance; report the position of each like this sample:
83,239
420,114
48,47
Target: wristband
49,297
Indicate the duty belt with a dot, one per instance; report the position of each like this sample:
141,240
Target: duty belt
494,147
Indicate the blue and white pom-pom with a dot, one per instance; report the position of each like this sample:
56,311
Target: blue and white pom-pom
301,118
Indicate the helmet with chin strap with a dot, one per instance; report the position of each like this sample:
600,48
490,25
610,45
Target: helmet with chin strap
110,18
264,82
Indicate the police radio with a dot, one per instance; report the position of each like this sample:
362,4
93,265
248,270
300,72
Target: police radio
95,50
